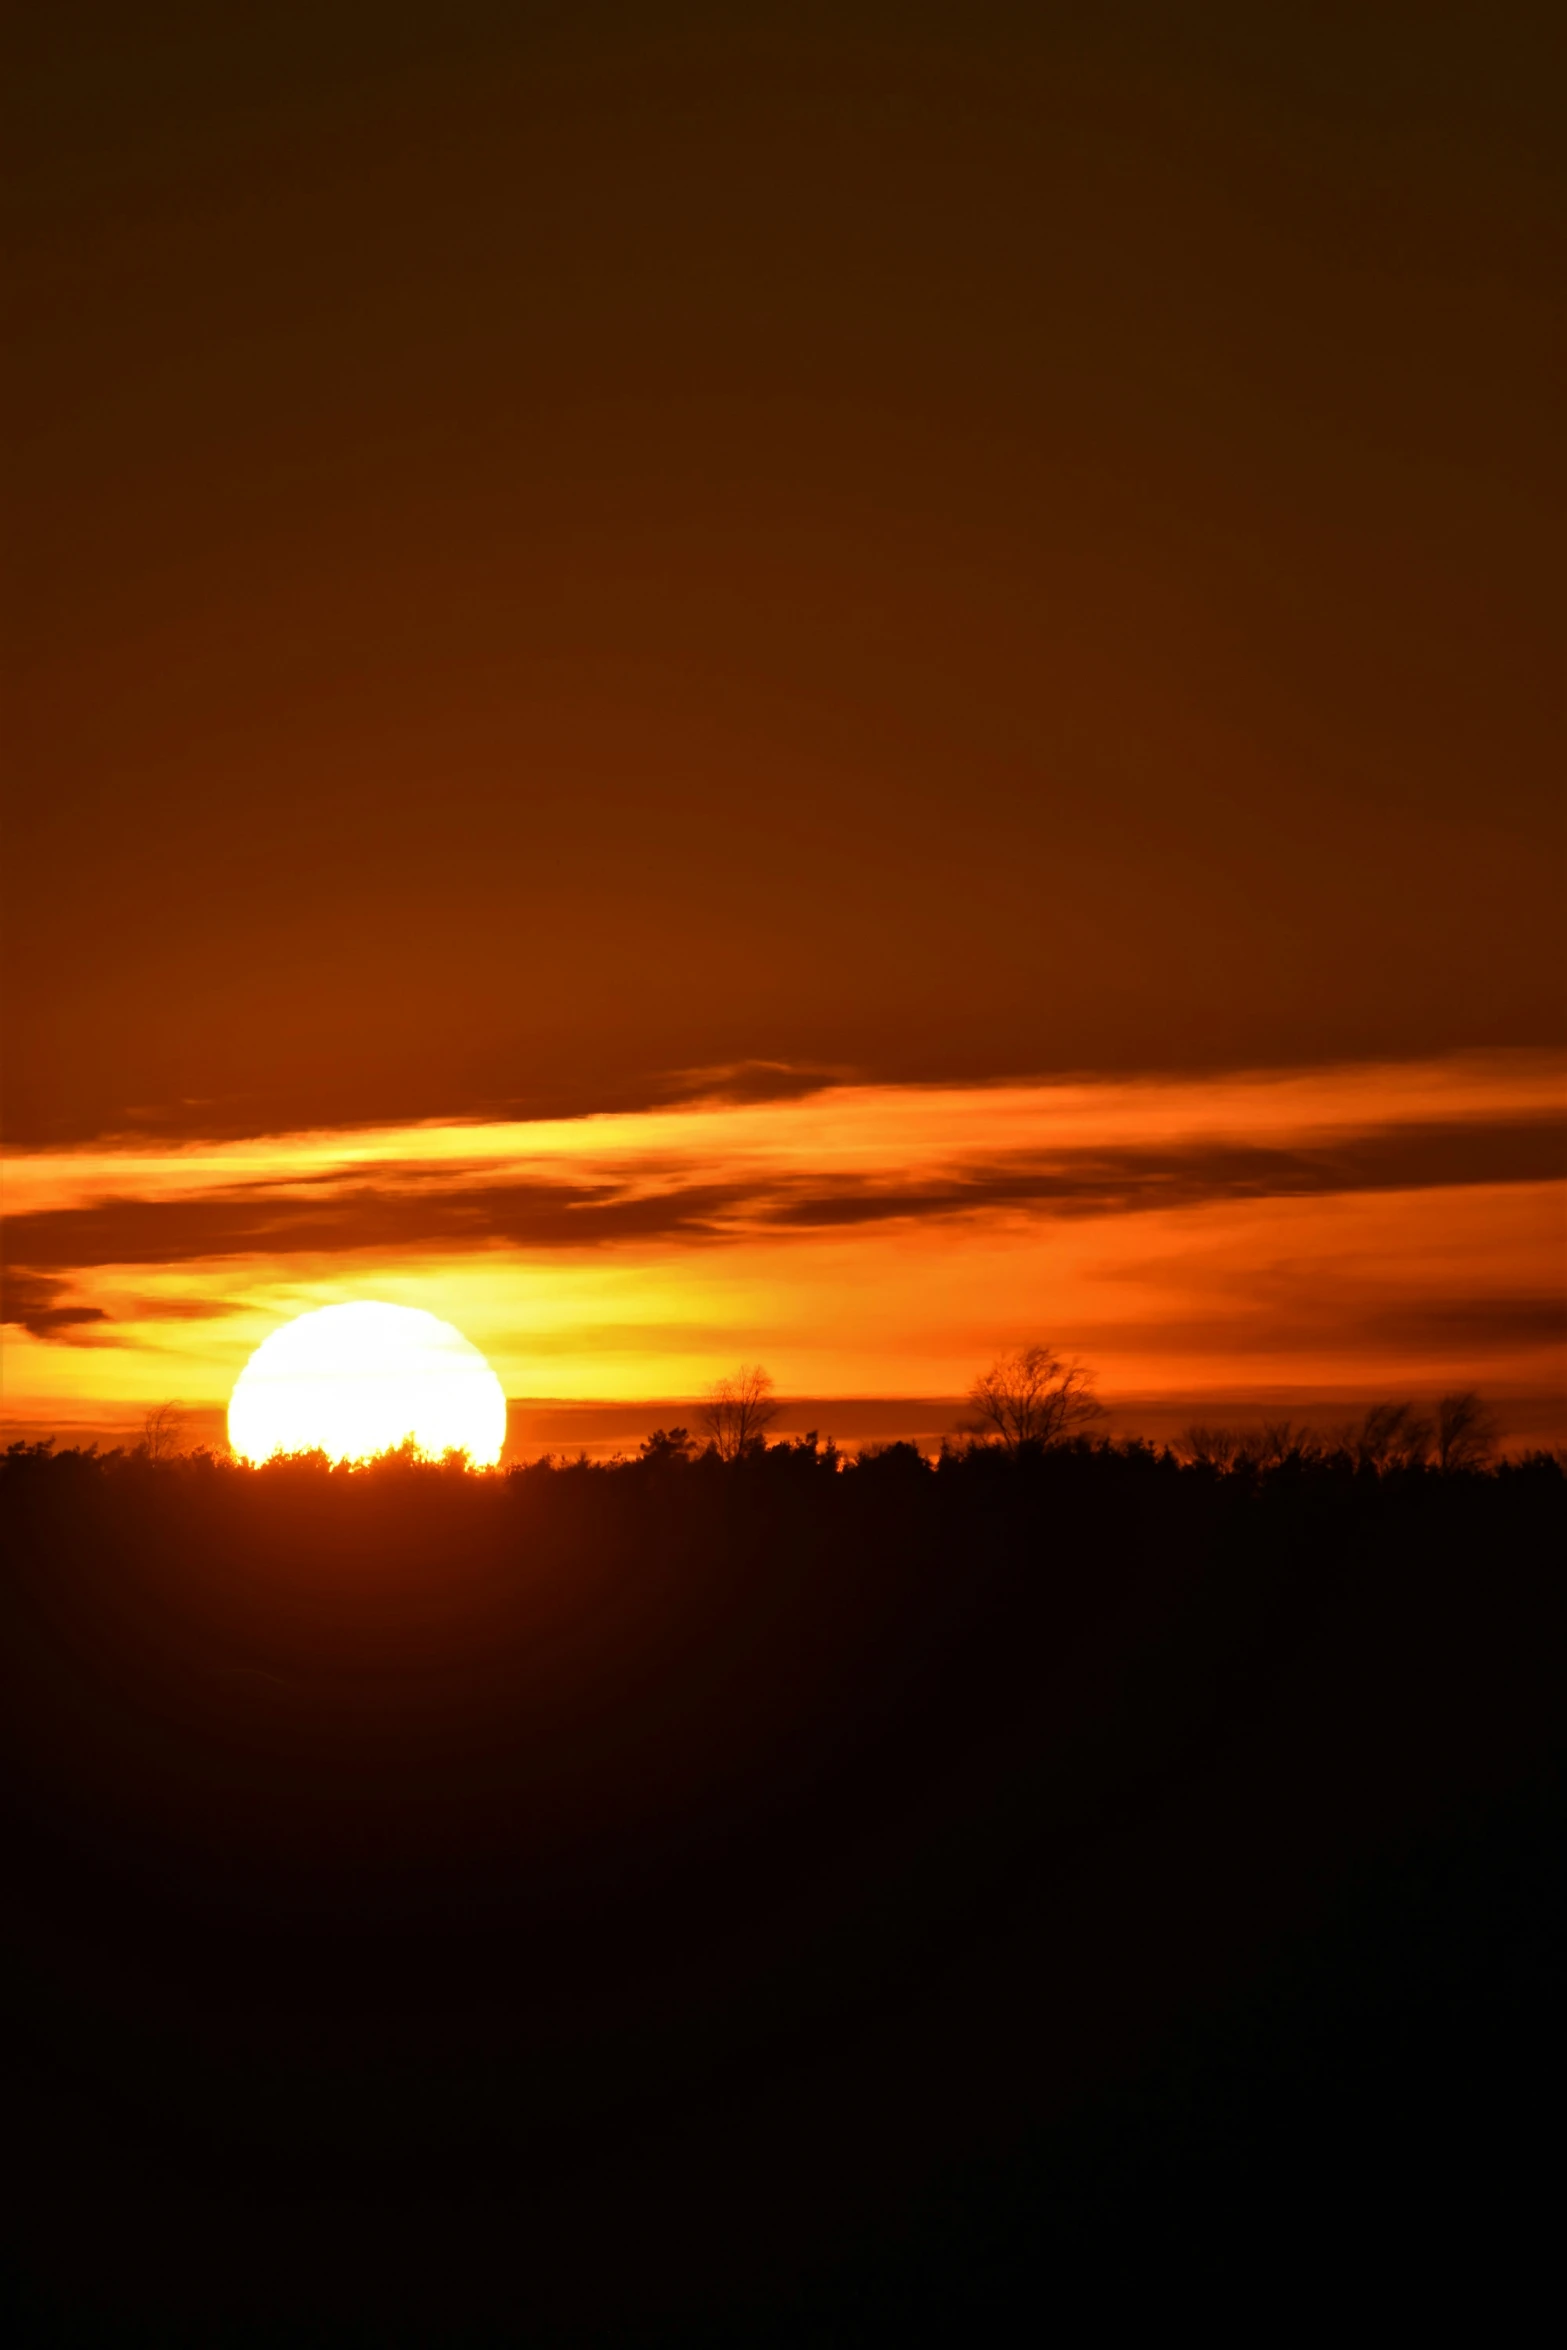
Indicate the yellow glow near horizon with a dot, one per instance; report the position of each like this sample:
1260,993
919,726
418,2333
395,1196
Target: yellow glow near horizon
1195,1292
355,1380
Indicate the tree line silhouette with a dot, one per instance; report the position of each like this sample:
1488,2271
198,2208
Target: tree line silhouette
1030,1401
746,1892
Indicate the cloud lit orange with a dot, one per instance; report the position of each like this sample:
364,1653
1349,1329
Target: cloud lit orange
1280,1233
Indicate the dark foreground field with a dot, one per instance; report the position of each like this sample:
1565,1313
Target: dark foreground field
767,1904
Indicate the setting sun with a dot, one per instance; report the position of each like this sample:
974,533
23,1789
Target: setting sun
353,1380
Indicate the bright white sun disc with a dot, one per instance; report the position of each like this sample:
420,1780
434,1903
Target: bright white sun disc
354,1380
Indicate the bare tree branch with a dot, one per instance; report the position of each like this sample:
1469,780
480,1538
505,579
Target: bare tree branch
1466,1431
1386,1436
737,1412
162,1431
1031,1399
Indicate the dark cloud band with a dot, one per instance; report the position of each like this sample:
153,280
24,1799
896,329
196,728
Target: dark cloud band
410,1206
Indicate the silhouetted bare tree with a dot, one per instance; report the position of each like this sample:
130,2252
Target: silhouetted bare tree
1279,1441
1386,1436
1466,1431
1208,1448
1031,1399
1267,1447
162,1431
737,1412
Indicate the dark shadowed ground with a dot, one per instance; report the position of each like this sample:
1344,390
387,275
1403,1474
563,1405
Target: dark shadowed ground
769,1903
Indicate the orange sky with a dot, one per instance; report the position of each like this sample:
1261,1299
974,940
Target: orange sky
930,544
688,681
1334,1231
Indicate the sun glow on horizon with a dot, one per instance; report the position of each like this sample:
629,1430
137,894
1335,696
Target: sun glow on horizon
1389,1230
355,1380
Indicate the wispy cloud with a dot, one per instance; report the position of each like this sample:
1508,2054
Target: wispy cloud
718,1209
831,1157
417,1208
38,1303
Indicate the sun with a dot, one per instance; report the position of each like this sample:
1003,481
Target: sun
350,1381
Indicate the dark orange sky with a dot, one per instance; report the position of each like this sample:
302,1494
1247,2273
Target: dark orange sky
560,546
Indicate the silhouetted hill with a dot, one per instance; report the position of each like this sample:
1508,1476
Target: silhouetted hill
777,1902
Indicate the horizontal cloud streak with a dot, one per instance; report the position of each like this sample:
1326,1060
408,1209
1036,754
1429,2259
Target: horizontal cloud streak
1485,1321
416,1208
32,1302
1345,1229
